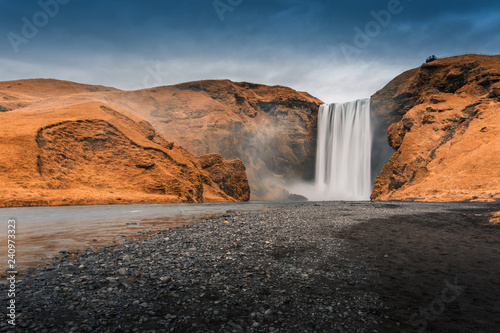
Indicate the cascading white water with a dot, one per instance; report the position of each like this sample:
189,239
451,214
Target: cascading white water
344,151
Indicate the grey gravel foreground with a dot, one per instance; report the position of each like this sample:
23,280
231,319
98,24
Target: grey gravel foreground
282,270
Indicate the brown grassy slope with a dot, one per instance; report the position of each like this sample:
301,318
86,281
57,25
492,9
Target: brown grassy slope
445,131
272,129
92,153
16,95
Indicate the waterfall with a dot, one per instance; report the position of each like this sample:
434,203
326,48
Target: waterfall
344,151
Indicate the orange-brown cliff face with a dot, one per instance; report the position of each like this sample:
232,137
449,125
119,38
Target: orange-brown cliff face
272,129
60,147
443,123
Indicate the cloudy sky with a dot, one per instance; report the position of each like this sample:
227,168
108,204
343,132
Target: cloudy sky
335,50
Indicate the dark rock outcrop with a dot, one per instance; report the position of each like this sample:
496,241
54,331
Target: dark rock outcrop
229,175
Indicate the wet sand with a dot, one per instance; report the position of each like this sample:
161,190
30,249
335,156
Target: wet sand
438,272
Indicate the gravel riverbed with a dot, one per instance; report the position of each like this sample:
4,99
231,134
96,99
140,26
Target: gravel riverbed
301,267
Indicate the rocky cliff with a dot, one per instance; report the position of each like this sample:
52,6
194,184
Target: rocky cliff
443,122
58,148
272,129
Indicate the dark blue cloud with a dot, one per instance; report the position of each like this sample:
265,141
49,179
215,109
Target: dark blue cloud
87,35
131,25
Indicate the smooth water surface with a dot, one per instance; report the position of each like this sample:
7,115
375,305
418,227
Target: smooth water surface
41,232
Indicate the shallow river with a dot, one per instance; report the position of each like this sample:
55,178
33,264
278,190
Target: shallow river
41,232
